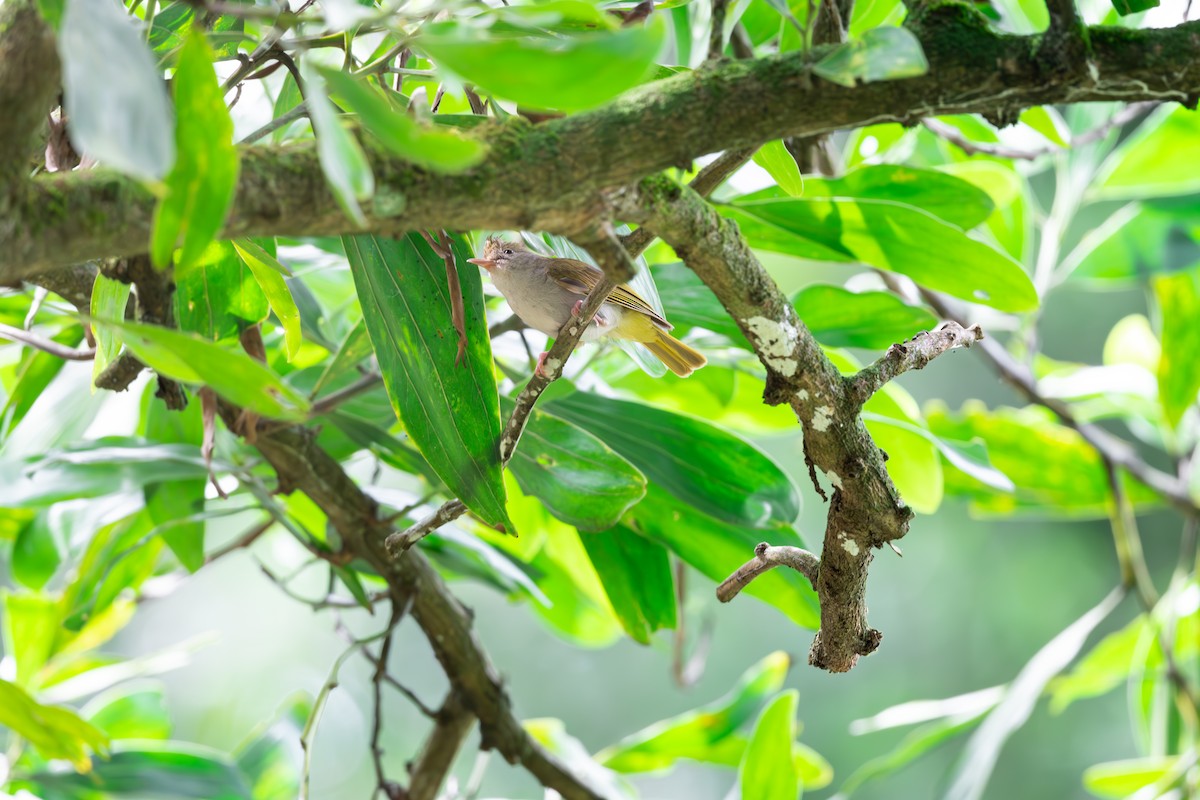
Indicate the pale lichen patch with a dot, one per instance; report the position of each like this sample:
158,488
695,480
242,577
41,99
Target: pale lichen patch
802,395
835,479
822,418
848,544
775,343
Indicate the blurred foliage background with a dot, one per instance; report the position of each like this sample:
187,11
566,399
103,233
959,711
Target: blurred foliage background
161,640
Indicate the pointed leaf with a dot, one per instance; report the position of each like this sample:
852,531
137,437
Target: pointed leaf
109,298
882,54
767,771
717,472
1178,297
232,374
342,158
579,478
888,235
201,185
269,273
566,73
451,412
700,734
781,166
116,97
216,296
441,149
636,574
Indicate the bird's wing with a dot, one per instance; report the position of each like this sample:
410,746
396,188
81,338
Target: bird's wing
580,278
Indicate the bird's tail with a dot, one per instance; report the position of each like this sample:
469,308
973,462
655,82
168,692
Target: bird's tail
678,357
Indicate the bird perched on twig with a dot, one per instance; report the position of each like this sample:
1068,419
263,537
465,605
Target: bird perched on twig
545,292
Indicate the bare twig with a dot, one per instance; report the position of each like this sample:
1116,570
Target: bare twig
46,345
287,118
970,147
765,559
712,175
398,543
334,399
916,353
389,788
716,34
1110,448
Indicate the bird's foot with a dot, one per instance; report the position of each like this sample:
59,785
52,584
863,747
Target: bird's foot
540,370
597,319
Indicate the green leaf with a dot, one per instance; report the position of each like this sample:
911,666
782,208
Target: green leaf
1161,158
767,771
342,159
36,553
882,54
168,505
981,751
1054,470
1120,779
216,296
874,320
116,98
704,466
1178,299
781,166
1011,221
911,747
176,21
701,734
552,735
1127,7
55,732
717,548
887,235
1048,123
137,711
232,374
1105,667
269,274
438,149
451,411
177,770
565,73
1125,247
578,477
970,458
836,316
946,196
31,623
201,185
636,574
109,298
272,759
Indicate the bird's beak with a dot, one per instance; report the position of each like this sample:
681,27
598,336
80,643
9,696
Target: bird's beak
483,262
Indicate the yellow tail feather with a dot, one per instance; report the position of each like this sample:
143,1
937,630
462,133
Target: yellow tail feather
677,356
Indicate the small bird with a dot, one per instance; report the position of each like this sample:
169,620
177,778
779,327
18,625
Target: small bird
546,292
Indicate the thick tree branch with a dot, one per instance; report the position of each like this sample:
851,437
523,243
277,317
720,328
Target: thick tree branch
451,726
865,510
29,82
543,176
301,464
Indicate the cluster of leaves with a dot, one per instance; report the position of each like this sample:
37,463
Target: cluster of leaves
618,474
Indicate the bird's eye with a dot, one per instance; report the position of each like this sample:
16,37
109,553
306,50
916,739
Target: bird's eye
508,252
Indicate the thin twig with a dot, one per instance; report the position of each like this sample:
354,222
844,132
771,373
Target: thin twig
398,542
766,558
710,176
916,353
314,718
46,345
1110,448
298,111
389,788
970,147
334,399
